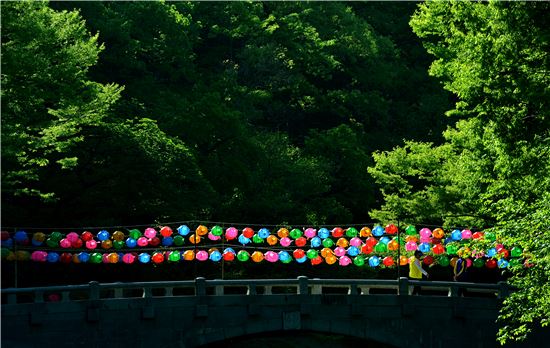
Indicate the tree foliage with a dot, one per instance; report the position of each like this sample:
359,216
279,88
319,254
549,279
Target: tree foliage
495,160
275,108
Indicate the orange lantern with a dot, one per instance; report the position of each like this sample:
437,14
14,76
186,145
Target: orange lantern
393,245
194,239
342,242
365,232
201,230
438,233
282,232
189,255
272,240
257,256
331,259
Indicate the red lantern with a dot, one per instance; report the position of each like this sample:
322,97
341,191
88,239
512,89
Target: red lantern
248,232
371,241
298,253
77,243
154,241
391,229
504,252
66,258
337,232
317,260
300,242
166,231
438,249
228,256
428,260
366,249
86,236
157,257
477,235
491,263
388,261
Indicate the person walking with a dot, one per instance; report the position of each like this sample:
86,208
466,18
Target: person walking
460,273
416,271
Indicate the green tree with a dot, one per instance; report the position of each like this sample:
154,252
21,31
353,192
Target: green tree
495,159
66,157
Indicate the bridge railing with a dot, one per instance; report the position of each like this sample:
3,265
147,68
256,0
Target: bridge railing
203,287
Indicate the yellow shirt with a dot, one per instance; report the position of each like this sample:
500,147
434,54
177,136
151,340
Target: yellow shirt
415,268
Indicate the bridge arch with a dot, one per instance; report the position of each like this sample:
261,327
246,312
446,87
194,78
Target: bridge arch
199,312
296,338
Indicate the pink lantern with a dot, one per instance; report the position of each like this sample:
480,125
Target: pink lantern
411,246
466,234
142,241
213,237
344,261
91,244
65,243
231,233
271,256
310,232
339,251
150,233
425,233
72,237
202,255
356,242
285,241
128,258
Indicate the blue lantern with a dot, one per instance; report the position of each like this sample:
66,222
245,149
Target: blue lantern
215,256
323,233
378,231
167,241
52,257
263,233
301,259
374,261
424,247
103,235
183,230
315,242
243,240
456,235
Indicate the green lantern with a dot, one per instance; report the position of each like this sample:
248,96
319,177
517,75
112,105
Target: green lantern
351,232
328,242
479,262
411,230
359,261
380,247
443,261
312,253
490,236
174,256
52,243
57,236
256,239
119,244
135,234
216,230
295,233
96,258
243,255
178,240
452,249
516,252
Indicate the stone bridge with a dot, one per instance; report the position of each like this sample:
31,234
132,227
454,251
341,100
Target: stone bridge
198,312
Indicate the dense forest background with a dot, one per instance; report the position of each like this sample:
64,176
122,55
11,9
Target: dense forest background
135,112
126,113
